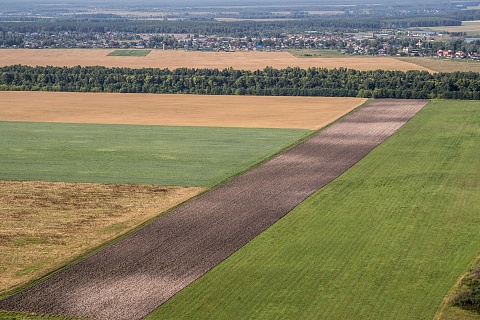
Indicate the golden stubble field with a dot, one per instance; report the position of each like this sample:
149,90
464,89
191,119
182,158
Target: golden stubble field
44,225
195,59
174,110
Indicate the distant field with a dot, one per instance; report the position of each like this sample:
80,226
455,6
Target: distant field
193,59
387,240
444,65
470,27
129,53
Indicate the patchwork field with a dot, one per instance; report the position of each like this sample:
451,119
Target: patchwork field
179,58
386,240
194,238
110,138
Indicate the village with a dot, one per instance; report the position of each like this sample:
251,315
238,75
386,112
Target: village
390,42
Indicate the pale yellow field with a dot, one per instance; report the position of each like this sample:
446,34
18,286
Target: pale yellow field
444,65
467,26
179,58
45,225
174,110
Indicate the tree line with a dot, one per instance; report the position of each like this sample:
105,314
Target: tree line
267,82
342,23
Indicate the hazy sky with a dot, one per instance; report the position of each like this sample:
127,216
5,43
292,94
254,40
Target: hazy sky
192,2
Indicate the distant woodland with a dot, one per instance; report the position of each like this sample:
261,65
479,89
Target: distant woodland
267,82
346,23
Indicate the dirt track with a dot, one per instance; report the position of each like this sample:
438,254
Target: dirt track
132,277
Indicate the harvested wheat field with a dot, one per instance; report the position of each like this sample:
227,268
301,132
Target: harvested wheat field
131,278
61,221
194,59
174,110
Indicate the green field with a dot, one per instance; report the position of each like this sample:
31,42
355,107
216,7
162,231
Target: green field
187,156
129,53
317,53
386,240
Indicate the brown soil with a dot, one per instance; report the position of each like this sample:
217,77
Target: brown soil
179,58
45,225
134,276
174,110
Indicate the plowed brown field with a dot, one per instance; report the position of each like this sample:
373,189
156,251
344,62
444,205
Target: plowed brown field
174,110
134,276
179,58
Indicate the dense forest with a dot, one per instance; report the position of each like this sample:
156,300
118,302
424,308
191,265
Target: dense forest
345,23
267,82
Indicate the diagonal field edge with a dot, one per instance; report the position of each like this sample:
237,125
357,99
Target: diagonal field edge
134,276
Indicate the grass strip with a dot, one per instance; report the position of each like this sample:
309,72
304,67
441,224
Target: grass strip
388,239
129,53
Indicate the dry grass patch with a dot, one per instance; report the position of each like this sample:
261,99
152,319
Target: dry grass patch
467,26
44,225
179,58
444,65
175,110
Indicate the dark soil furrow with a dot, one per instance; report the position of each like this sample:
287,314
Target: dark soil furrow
134,276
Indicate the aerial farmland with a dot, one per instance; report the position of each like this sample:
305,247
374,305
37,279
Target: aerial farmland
224,205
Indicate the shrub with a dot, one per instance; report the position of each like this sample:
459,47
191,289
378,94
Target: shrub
469,295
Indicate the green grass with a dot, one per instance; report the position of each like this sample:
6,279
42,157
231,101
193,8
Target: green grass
129,53
386,240
188,156
317,53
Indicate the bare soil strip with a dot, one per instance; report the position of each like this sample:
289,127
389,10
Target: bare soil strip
131,278
174,109
194,59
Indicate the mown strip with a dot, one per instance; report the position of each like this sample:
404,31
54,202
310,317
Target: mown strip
186,156
386,240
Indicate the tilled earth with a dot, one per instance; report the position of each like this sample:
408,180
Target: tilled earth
134,276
